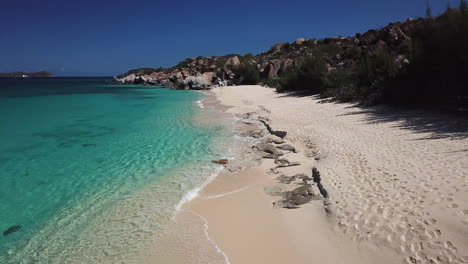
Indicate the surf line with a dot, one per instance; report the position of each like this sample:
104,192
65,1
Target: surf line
223,194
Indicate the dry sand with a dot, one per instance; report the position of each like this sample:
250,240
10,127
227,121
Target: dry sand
397,184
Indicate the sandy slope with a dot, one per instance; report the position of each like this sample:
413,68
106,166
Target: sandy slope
396,179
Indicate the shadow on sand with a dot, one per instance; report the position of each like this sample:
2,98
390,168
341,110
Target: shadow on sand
431,123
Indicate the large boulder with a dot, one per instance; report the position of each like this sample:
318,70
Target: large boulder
209,77
232,61
272,69
177,79
127,79
197,82
277,47
299,41
225,74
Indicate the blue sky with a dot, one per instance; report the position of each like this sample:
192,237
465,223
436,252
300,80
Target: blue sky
105,38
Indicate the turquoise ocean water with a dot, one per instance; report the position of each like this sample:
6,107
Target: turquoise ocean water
89,170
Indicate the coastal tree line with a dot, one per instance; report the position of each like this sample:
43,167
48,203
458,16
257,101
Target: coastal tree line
434,70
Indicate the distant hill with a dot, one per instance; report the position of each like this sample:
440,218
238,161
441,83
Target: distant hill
26,74
421,61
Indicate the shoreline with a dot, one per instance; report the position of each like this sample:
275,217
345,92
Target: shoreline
227,200
359,223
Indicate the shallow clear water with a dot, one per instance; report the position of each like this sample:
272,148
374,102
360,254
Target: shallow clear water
88,169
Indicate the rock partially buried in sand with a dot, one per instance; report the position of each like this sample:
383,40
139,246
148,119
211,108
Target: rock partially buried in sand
11,230
299,196
287,147
221,161
282,163
281,204
273,140
254,134
286,179
280,134
268,148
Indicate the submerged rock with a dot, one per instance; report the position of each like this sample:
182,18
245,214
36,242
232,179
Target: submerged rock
11,230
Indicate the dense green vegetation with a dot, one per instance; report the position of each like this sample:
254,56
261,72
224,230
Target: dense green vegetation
435,73
438,70
246,73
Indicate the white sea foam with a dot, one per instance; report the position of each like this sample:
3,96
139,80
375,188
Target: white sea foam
200,104
226,259
192,194
224,194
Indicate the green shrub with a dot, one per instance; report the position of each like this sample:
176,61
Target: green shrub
272,82
310,76
246,73
438,63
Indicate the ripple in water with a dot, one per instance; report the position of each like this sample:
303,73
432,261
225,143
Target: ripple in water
93,177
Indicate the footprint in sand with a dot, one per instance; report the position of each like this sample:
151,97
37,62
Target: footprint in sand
429,222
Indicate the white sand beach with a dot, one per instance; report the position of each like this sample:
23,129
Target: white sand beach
397,183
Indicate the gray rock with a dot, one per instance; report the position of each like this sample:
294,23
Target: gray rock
253,133
299,196
282,163
299,41
287,147
271,156
268,148
197,82
273,140
286,179
232,61
273,68
280,134
282,204
273,190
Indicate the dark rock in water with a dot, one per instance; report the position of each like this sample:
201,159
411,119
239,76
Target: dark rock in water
11,230
221,161
88,145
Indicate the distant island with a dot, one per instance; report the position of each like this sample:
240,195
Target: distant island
26,74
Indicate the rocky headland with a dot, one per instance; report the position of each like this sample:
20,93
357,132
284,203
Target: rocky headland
207,72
